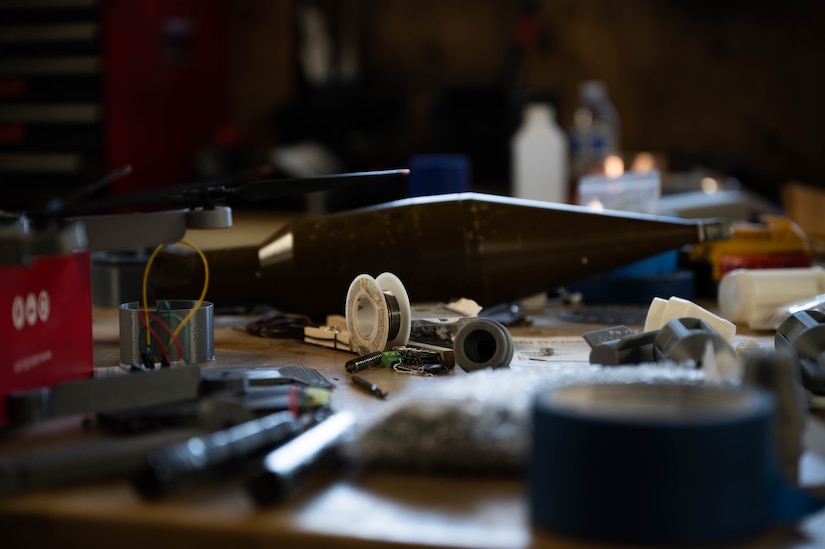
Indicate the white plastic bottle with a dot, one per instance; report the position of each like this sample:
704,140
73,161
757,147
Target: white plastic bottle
596,132
753,295
540,156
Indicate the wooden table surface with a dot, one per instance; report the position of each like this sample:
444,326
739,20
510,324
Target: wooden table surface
364,509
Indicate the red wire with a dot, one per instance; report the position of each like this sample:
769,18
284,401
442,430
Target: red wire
169,331
162,349
294,409
172,336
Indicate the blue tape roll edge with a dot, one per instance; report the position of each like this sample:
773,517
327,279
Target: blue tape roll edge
671,480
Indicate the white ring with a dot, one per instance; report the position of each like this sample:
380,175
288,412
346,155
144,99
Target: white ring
367,315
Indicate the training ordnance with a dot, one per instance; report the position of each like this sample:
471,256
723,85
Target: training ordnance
489,248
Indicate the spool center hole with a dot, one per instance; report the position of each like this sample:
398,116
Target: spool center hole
365,318
480,346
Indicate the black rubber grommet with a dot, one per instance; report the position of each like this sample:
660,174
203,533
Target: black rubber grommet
483,343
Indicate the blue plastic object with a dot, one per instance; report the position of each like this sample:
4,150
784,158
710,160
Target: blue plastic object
639,282
432,174
662,473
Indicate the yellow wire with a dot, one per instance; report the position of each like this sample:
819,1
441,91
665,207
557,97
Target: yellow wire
191,313
146,292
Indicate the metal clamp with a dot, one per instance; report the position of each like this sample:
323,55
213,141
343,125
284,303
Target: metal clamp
803,334
680,340
620,345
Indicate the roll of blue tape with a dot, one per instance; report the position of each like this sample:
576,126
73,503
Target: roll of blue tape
657,464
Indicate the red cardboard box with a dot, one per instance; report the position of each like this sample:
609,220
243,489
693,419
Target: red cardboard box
45,323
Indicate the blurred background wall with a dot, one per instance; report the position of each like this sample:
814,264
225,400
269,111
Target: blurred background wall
215,86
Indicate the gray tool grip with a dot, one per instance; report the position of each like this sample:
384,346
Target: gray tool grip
104,394
90,461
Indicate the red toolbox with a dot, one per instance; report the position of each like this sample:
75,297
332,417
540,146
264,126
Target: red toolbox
45,323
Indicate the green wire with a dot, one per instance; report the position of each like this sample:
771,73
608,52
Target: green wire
169,316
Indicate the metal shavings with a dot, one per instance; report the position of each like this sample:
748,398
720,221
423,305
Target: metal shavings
479,423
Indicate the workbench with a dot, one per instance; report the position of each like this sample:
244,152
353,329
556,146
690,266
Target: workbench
366,508
351,509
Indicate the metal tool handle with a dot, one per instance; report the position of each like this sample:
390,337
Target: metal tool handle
286,467
217,452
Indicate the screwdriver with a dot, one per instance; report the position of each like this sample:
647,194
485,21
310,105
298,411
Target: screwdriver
371,387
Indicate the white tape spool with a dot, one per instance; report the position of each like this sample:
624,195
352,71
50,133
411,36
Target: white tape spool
368,311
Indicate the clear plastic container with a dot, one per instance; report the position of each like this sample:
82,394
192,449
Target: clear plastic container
631,192
595,134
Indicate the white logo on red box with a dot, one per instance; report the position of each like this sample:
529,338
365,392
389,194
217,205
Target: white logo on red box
30,309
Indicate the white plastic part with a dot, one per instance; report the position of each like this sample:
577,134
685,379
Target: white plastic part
653,321
539,155
661,312
750,295
219,217
368,317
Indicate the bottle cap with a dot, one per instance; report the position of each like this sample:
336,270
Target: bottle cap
539,111
592,89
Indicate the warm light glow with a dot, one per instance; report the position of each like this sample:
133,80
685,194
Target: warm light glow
596,205
709,185
613,166
644,162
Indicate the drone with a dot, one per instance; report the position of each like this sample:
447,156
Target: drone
79,221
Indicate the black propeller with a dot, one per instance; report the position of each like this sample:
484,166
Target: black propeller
205,193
